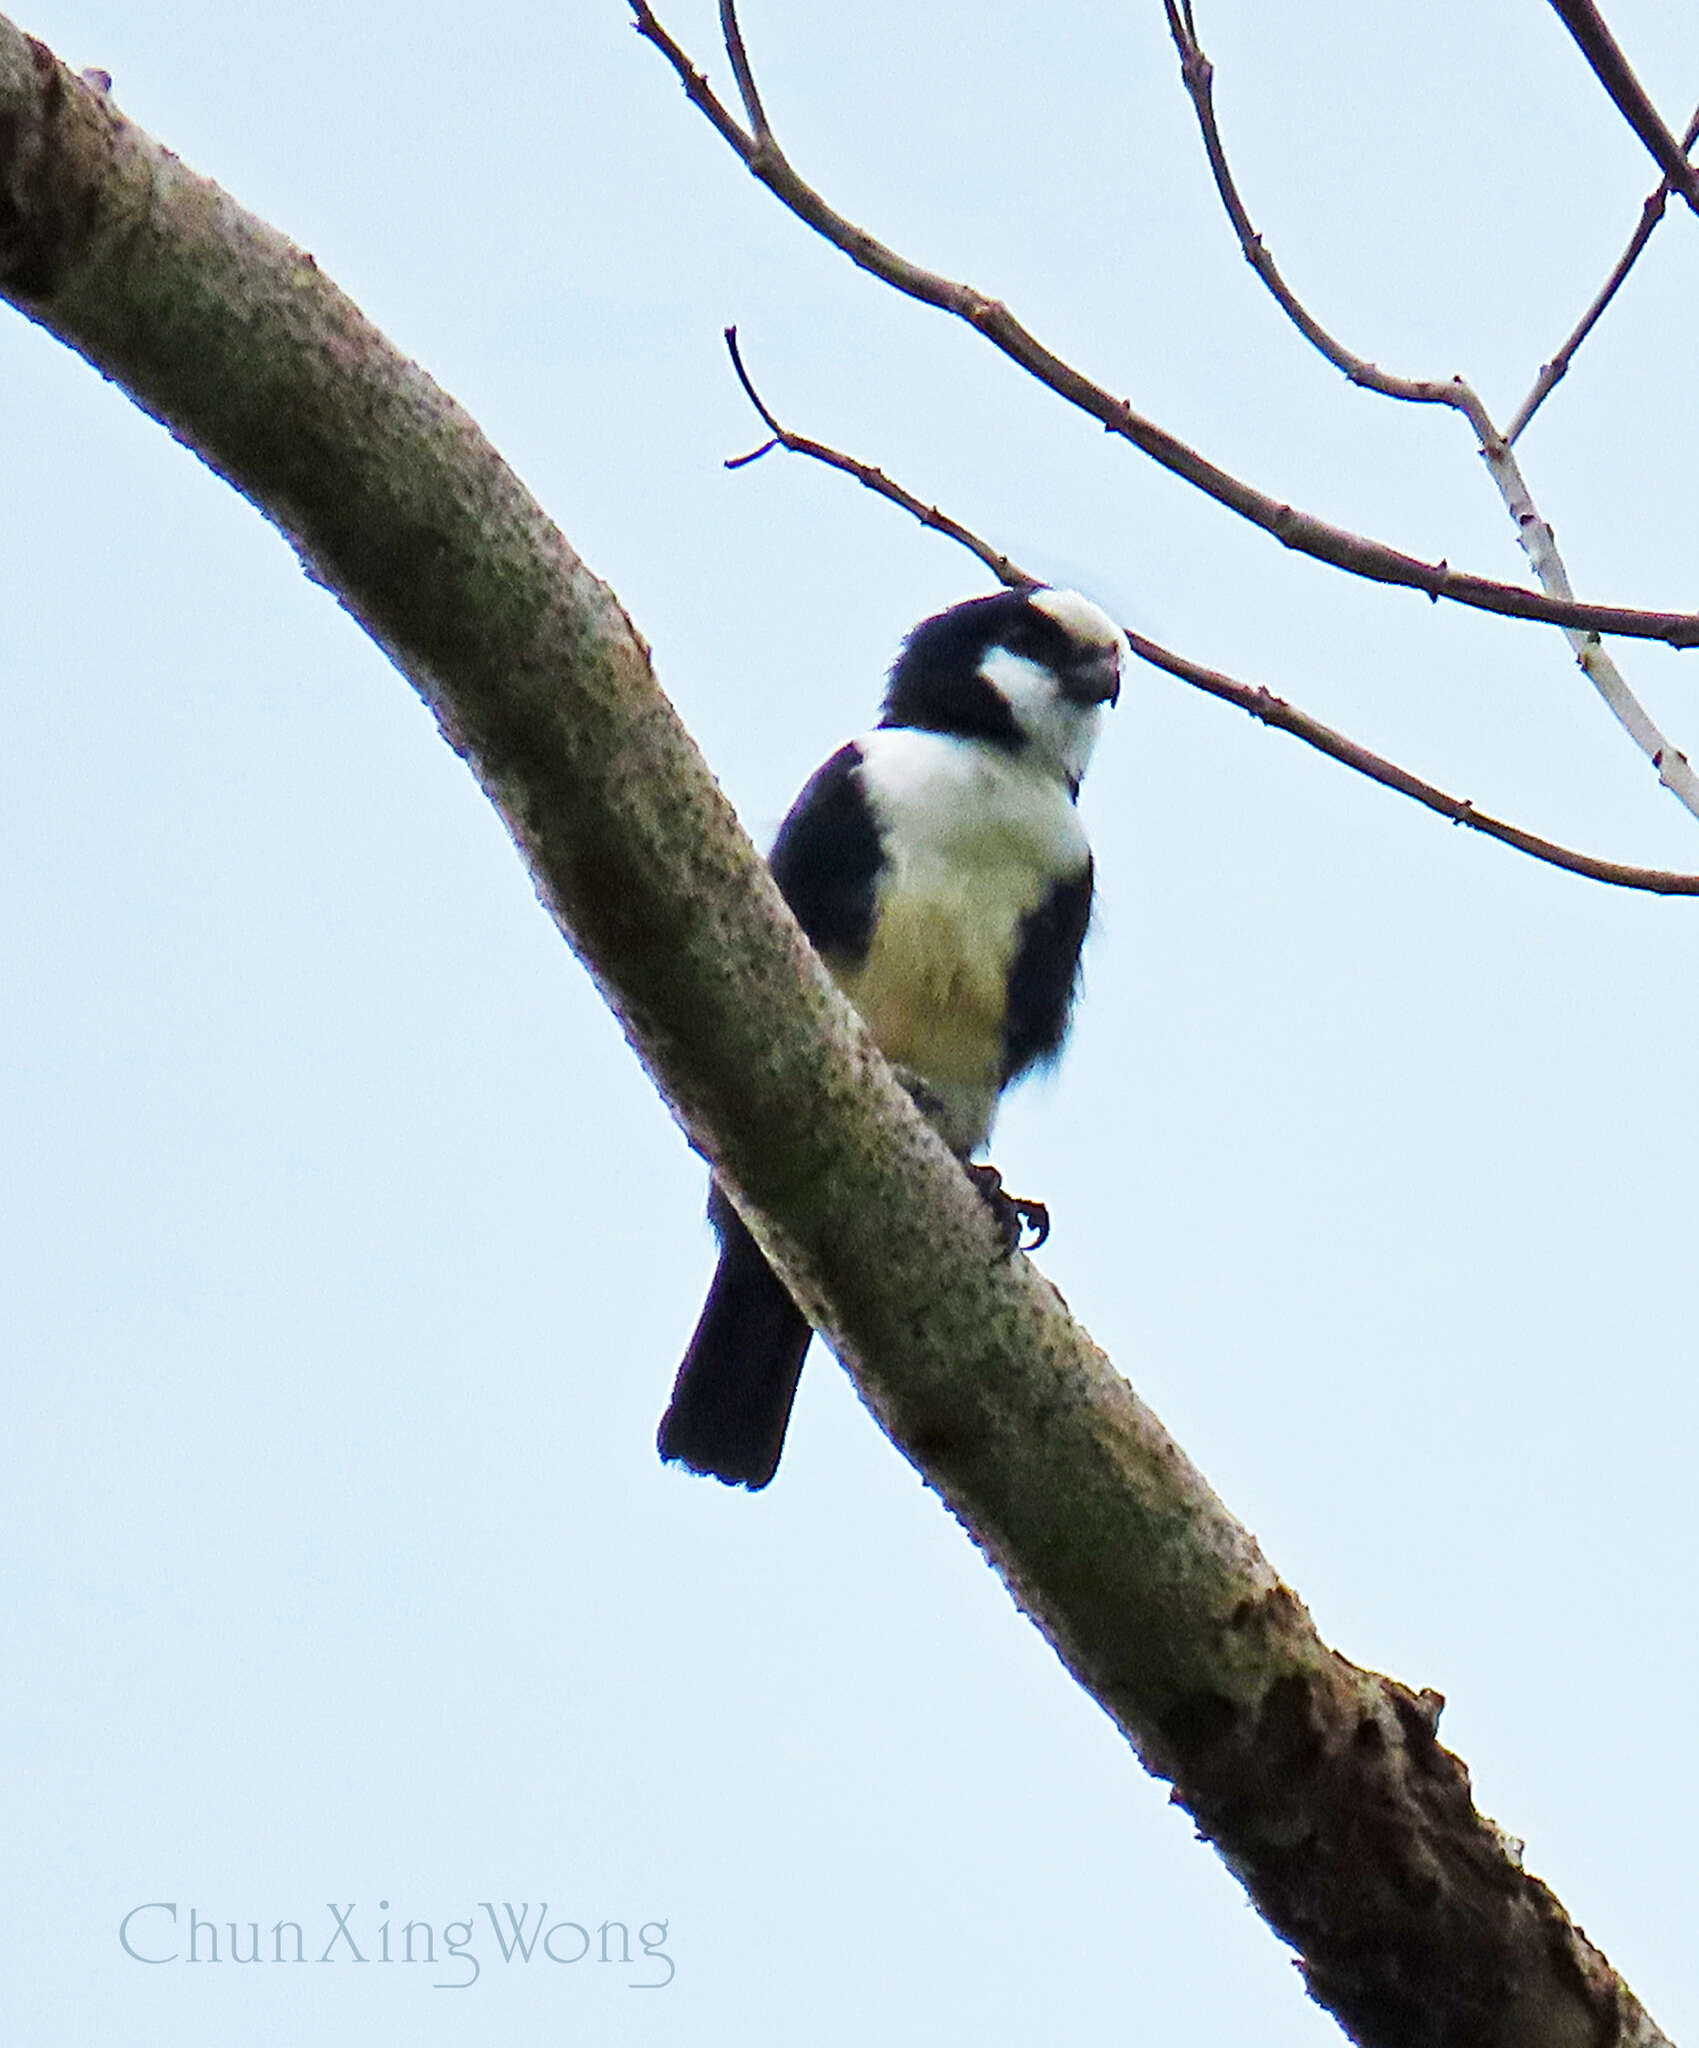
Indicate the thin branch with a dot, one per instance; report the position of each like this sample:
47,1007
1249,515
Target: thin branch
1260,703
1553,373
1539,543
1006,571
1533,533
760,130
1198,75
1614,72
1295,529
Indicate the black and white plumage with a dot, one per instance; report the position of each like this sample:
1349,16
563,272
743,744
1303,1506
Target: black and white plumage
939,867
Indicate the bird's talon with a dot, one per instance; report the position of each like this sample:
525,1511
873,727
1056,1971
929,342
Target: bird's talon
1034,1217
1014,1215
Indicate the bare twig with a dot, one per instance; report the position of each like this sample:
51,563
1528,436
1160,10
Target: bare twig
1006,571
1298,530
1539,543
1260,703
1553,373
759,128
1198,74
1534,534
1614,72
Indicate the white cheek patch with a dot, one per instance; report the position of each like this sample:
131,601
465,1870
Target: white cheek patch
1054,726
1025,685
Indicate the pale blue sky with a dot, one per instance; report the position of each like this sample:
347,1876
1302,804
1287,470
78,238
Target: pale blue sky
347,1254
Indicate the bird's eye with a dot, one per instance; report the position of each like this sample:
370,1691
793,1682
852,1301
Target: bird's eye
1025,637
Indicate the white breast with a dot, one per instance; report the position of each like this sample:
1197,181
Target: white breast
974,840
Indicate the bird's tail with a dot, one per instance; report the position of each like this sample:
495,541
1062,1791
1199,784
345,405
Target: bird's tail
732,1398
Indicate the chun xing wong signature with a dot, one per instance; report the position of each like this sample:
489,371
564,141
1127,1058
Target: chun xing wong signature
162,1932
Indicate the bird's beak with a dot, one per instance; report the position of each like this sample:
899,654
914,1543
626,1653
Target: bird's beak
1095,678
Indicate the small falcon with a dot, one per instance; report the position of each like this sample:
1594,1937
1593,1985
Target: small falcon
940,869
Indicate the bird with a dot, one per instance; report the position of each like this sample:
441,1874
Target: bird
939,867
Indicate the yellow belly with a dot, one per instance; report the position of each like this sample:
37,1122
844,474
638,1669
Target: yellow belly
934,1003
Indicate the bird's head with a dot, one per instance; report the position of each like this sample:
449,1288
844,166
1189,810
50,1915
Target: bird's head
1026,670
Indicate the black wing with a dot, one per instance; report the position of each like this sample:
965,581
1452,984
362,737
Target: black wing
1045,976
826,859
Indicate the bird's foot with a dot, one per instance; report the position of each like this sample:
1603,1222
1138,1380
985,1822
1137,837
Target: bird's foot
1013,1215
